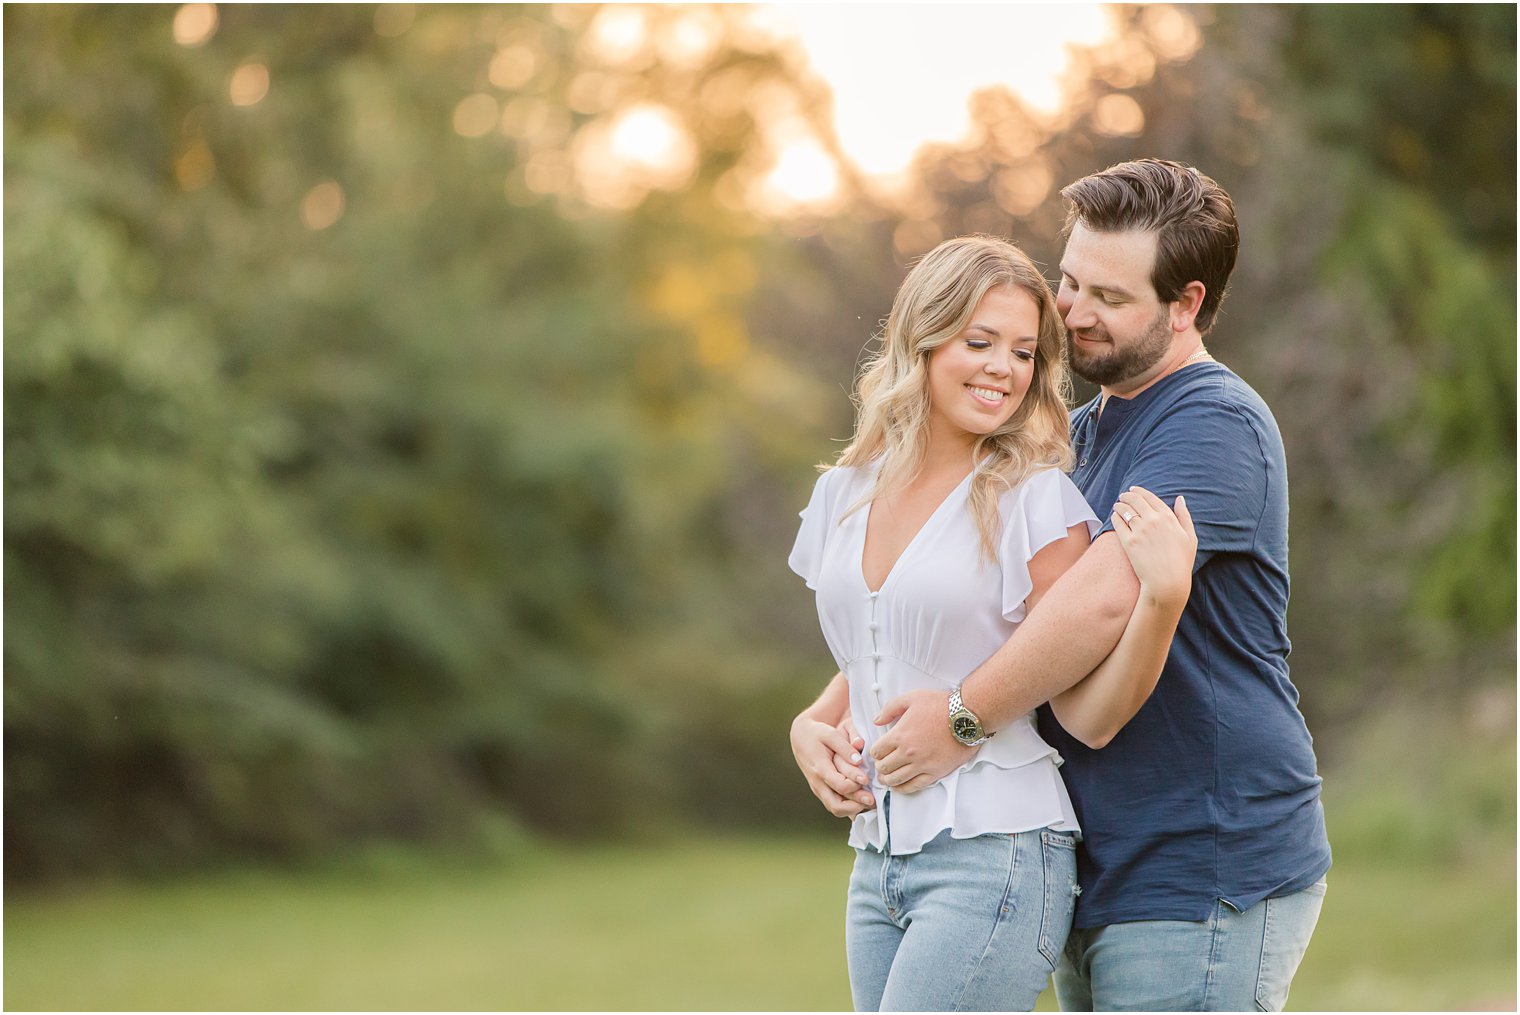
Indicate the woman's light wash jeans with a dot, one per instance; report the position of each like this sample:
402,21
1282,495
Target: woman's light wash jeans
964,925
1230,962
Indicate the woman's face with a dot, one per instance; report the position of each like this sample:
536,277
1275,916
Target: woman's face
978,379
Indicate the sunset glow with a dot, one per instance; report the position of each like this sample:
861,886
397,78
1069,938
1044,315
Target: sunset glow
901,75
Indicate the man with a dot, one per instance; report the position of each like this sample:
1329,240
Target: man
1204,853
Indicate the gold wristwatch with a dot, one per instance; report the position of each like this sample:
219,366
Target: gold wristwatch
964,724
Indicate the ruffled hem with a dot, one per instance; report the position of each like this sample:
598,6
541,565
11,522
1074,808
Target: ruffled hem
1025,797
1016,745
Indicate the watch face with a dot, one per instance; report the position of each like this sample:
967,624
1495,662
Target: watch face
965,727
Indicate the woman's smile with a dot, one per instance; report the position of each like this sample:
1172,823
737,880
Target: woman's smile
991,397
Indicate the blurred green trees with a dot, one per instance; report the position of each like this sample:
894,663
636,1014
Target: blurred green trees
352,489
377,465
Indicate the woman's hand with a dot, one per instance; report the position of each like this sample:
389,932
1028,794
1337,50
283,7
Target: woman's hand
1160,543
829,757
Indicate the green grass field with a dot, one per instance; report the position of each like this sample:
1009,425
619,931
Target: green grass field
706,924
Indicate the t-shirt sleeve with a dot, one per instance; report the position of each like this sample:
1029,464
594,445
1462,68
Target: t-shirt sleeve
1044,506
1211,454
817,519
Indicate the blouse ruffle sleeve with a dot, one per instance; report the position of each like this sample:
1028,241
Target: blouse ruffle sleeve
817,520
1043,507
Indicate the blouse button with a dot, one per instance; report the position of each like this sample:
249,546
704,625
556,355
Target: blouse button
876,688
872,626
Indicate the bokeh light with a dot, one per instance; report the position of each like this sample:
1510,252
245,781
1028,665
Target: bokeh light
805,177
476,115
194,24
323,205
1118,115
249,83
690,40
512,66
617,36
392,20
620,158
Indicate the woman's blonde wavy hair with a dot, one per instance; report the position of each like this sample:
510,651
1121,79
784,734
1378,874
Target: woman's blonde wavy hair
933,306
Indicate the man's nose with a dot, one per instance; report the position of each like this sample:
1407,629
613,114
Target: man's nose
1077,313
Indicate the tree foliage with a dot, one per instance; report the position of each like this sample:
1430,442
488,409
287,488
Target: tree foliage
380,464
351,484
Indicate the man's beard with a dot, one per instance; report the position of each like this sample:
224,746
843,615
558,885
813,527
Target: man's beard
1120,364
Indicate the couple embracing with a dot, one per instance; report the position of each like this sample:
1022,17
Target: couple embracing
1063,727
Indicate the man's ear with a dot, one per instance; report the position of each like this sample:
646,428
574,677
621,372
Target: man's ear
1184,309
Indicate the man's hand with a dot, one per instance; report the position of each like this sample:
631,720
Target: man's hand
919,751
829,757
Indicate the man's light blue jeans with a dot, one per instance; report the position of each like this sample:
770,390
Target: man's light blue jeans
964,925
1229,962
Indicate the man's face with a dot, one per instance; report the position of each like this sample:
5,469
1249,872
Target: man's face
1119,328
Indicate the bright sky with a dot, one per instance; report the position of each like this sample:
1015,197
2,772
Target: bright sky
901,76
902,73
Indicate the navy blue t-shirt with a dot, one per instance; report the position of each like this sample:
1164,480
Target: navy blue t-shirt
1210,792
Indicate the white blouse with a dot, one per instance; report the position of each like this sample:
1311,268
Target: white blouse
940,613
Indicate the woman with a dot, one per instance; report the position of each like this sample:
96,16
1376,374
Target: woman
944,522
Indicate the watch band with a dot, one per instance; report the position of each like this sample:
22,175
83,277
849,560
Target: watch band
965,725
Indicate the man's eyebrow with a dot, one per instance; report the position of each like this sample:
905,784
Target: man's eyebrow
1112,289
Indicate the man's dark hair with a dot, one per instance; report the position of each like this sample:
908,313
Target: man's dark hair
1194,221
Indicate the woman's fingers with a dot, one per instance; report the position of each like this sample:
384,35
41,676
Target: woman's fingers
1136,505
829,773
851,769
1139,495
844,796
829,761
841,796
1160,542
816,745
847,725
836,804
1129,514
1185,518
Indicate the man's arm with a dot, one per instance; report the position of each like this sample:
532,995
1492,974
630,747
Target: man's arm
1161,546
1078,623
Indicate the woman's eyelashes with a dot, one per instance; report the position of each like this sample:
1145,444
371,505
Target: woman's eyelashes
980,344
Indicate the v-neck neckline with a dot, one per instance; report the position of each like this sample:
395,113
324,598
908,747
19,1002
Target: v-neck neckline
865,534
